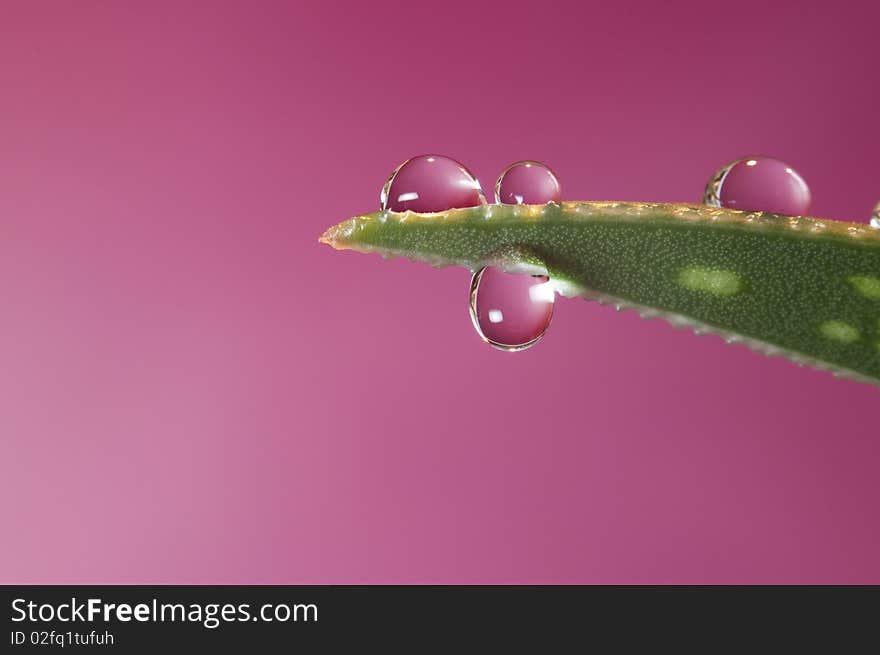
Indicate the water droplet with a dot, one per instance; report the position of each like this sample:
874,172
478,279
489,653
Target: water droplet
510,311
430,183
759,184
527,183
875,217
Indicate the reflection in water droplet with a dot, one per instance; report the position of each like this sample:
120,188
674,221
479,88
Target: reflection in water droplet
430,183
759,184
510,311
875,218
527,183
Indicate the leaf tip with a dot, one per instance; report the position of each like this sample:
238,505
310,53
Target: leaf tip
337,236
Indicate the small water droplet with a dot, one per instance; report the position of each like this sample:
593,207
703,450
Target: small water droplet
527,183
759,184
875,217
430,183
510,311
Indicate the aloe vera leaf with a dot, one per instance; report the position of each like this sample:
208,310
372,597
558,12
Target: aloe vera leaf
804,288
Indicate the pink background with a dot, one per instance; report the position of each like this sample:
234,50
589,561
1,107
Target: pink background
192,389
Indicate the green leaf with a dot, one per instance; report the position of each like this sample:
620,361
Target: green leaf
804,288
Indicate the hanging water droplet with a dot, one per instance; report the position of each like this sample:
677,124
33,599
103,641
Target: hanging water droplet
430,183
759,184
527,183
510,311
875,217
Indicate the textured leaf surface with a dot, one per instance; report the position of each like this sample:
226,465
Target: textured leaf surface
805,288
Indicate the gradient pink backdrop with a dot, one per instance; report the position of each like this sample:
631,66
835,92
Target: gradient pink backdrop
192,389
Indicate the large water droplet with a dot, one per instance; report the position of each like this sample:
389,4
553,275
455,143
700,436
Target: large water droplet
430,183
875,217
510,311
527,183
759,184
